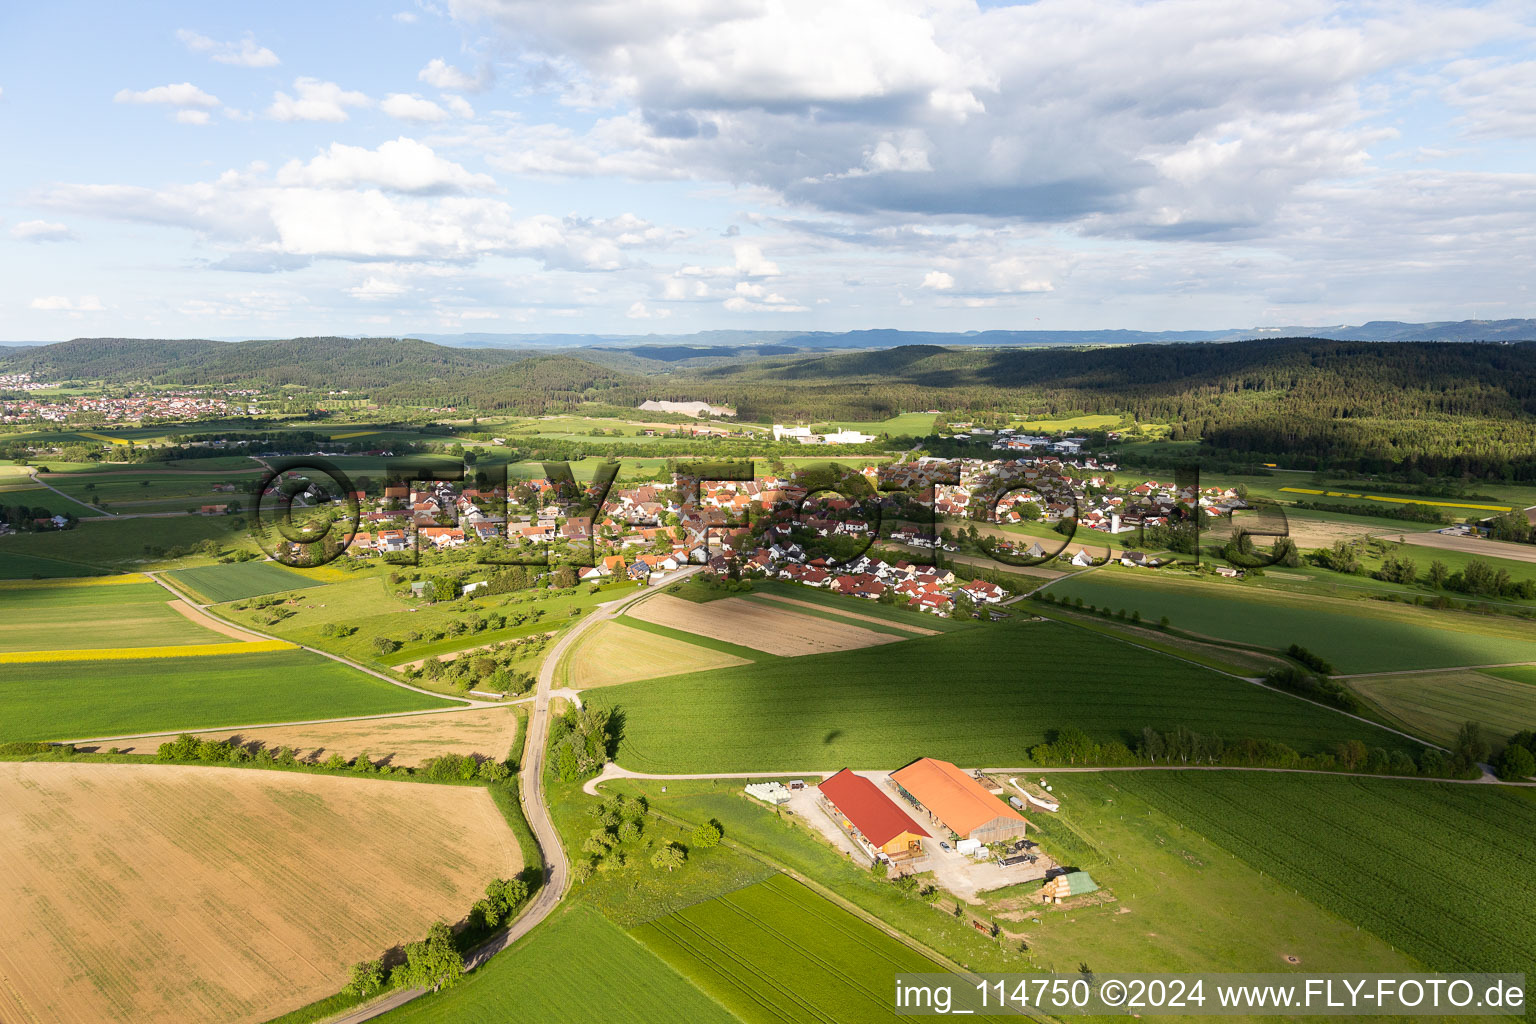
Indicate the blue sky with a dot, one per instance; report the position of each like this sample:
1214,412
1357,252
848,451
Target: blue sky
181,170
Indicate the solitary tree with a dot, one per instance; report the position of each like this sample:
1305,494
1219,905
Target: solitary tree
670,857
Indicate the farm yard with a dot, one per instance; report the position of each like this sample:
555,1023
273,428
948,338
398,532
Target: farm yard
587,969
776,950
134,892
96,614
81,699
979,697
614,653
1387,855
1436,704
408,740
236,581
1355,635
763,627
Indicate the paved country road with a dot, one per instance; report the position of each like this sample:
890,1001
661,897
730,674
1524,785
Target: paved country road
531,788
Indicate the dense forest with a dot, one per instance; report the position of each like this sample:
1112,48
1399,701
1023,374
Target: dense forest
1446,409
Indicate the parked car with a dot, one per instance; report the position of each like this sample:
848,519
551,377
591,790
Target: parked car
943,846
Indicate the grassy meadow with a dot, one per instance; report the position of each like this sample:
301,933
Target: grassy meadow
49,618
1436,704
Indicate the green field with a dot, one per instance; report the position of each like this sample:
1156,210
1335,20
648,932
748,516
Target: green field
14,565
1442,871
1356,636
979,698
776,951
908,424
56,618
1436,704
42,498
576,968
236,581
67,699
130,543
124,490
1096,421
839,603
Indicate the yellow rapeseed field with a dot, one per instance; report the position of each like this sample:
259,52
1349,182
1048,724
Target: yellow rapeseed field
132,653
76,581
101,437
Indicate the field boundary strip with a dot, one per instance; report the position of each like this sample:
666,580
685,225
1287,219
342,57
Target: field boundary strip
139,653
101,437
82,581
1396,501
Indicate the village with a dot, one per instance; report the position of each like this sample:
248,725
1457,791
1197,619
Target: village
775,527
132,408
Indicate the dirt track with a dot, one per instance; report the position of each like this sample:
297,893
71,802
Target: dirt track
1474,546
208,622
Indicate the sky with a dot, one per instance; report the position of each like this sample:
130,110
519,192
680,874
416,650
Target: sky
670,166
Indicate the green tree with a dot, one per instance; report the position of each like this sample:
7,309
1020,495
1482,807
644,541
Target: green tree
367,978
433,963
1470,748
708,834
669,857
1515,763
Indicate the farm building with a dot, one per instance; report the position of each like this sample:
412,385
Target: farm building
871,815
958,802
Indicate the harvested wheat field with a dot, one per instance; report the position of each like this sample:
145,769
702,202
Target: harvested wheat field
752,624
614,653
151,893
407,740
906,627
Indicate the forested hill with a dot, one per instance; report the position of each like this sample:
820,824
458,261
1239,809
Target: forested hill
547,383
324,363
1445,408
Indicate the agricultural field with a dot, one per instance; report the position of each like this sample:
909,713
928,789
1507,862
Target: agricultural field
95,614
978,698
1356,636
1180,901
80,699
777,951
125,491
14,565
42,498
587,969
1439,870
858,608
614,653
133,892
112,543
908,424
762,626
1094,421
235,581
1436,704
407,740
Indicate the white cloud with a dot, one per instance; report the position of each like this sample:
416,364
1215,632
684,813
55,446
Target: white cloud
938,280
65,304
246,53
183,95
750,261
459,105
42,231
401,165
198,117
754,298
405,17
316,101
640,311
412,108
441,75
376,289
